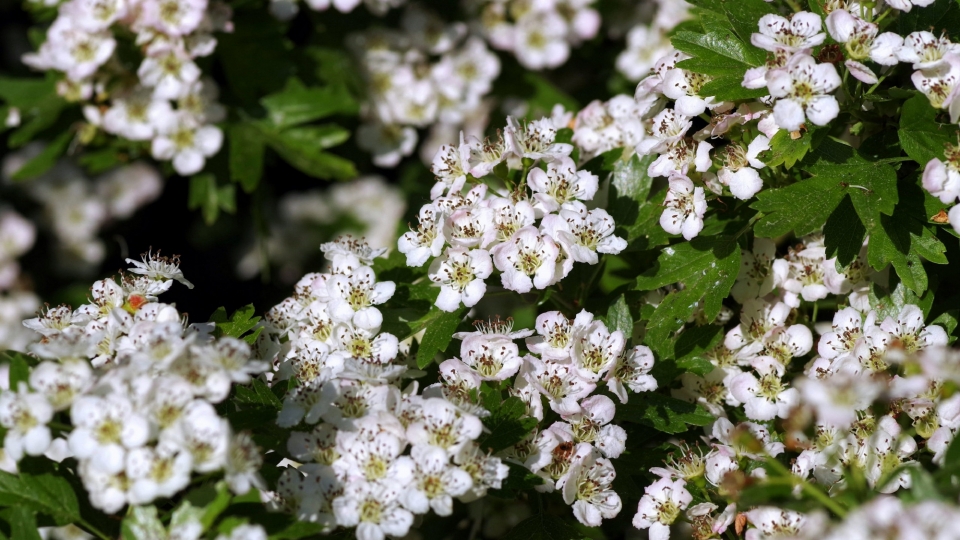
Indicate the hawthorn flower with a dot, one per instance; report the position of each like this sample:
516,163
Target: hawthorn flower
633,371
909,331
372,458
486,472
157,472
684,208
802,90
942,178
494,359
588,489
427,241
560,184
352,297
374,509
73,50
592,425
529,261
25,416
739,172
540,40
907,5
660,506
767,397
925,50
560,383
105,429
940,82
443,426
771,522
535,140
170,72
555,334
460,274
583,233
596,350
756,278
861,39
435,483
683,87
803,31
186,142
451,166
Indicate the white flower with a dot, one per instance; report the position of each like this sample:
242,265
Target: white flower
925,50
755,279
534,140
374,509
487,472
443,426
157,472
942,179
802,88
352,297
170,72
767,397
529,261
25,416
588,489
684,87
460,273
556,334
645,45
427,240
72,49
739,172
909,331
940,82
802,31
906,5
540,40
245,532
451,165
435,483
684,208
372,458
470,227
159,268
772,522
106,428
560,383
582,233
172,17
660,506
632,370
493,358
560,184
596,350
592,425
186,142
388,143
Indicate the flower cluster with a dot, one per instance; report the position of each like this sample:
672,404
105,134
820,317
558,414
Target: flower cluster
138,387
358,422
367,206
648,40
753,375
76,207
540,33
17,236
287,9
167,102
429,73
471,234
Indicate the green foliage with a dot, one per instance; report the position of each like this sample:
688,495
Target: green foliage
39,105
921,136
211,198
439,332
707,267
543,527
42,492
242,324
508,424
663,413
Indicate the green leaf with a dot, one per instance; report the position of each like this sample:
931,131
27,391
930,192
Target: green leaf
787,151
246,155
210,500
46,493
241,322
921,136
941,17
546,94
889,304
39,105
843,233
438,335
47,158
543,527
707,267
663,413
303,150
210,198
23,523
256,58
619,318
297,104
743,16
257,394
717,54
903,238
20,365
508,424
518,480
872,186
